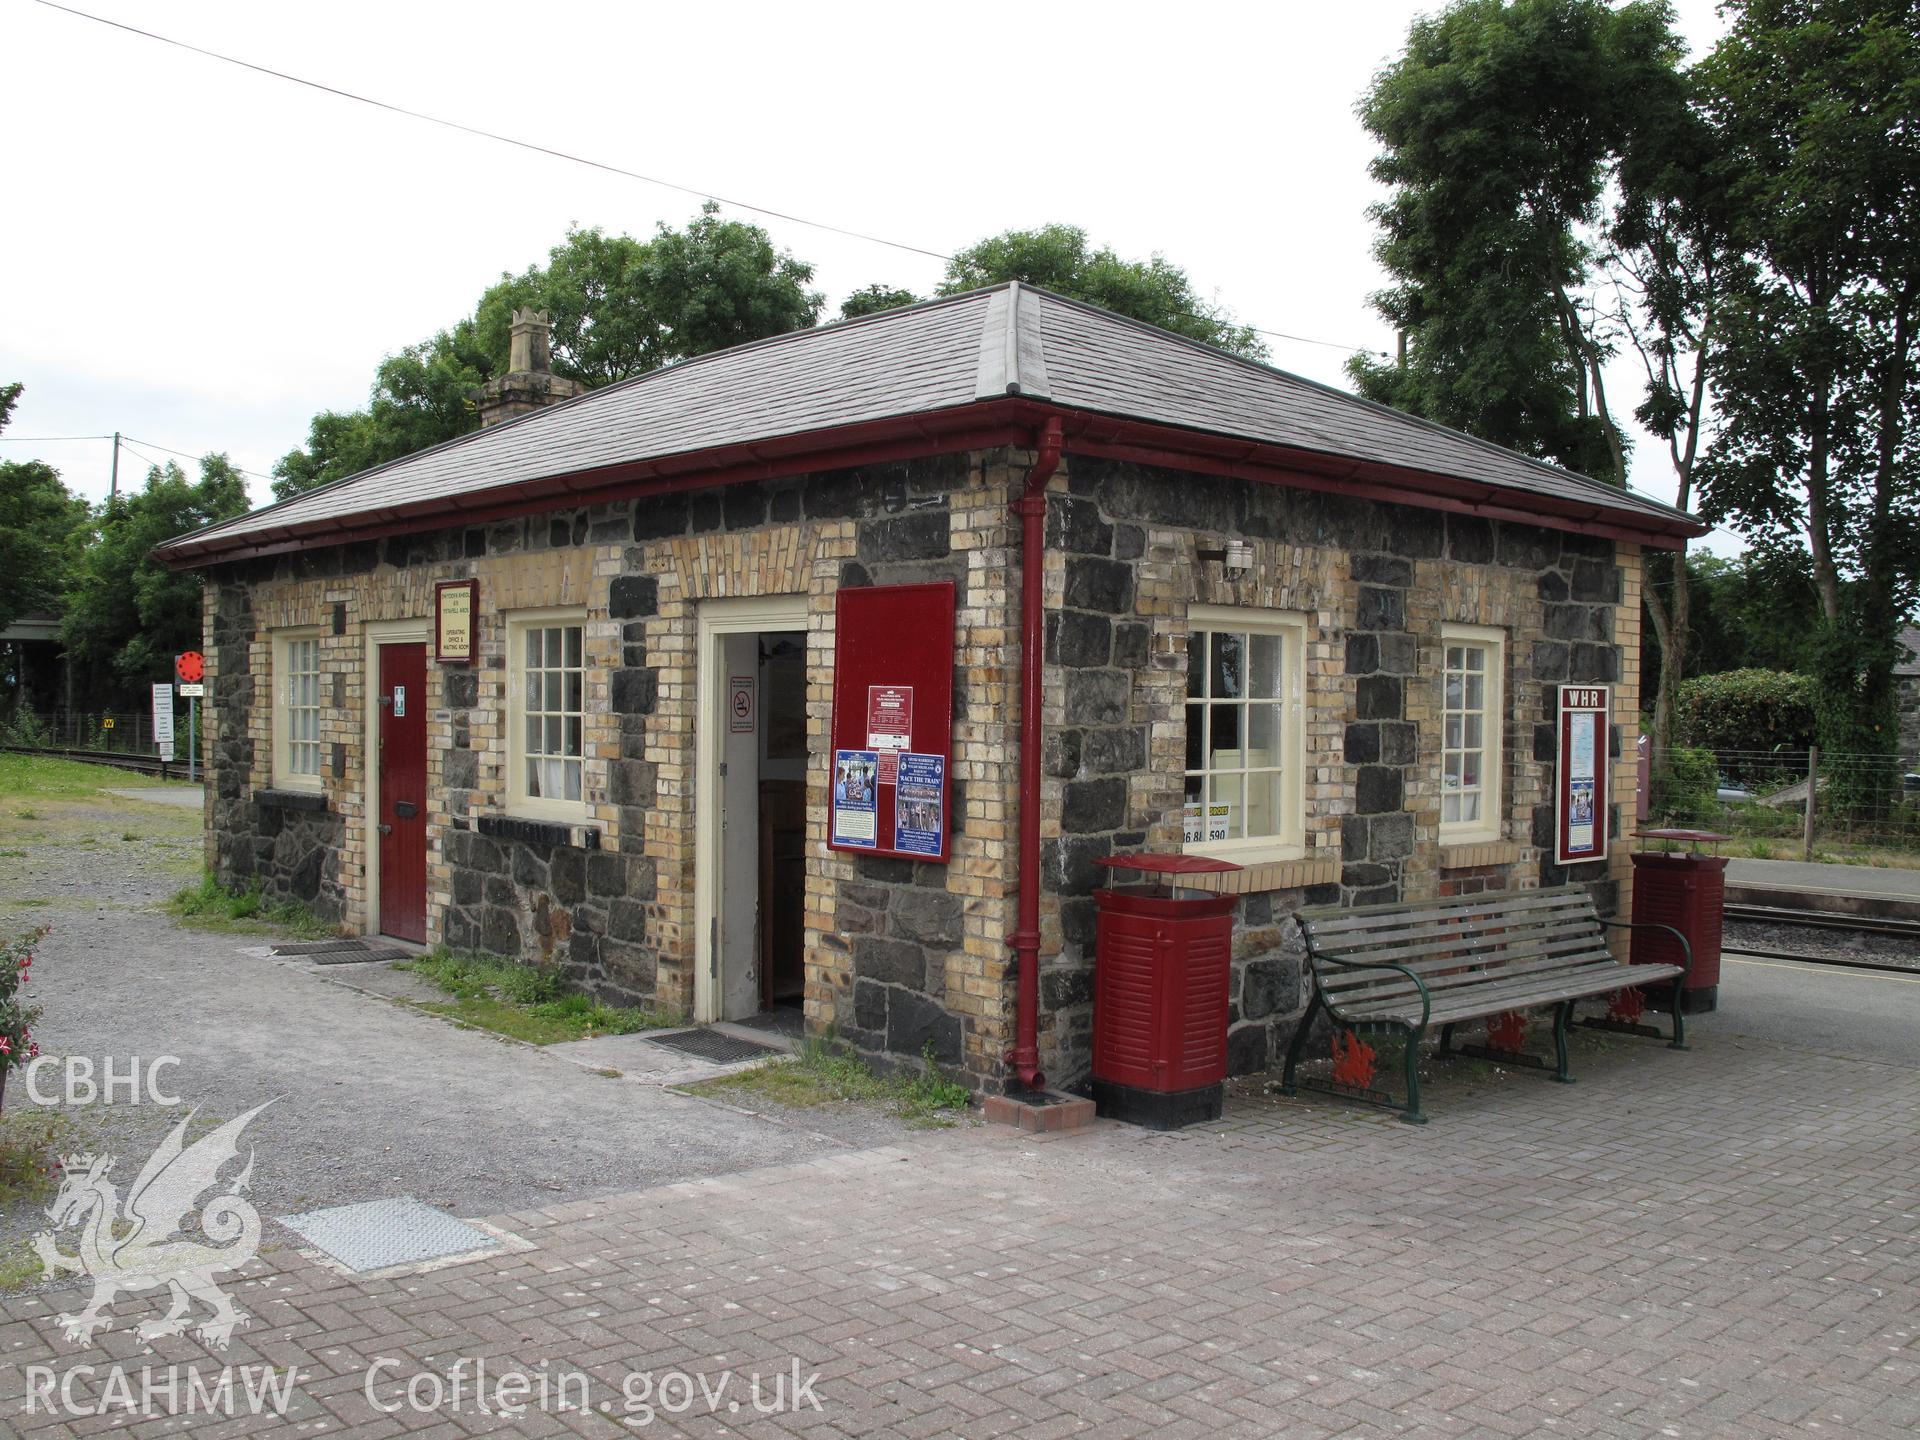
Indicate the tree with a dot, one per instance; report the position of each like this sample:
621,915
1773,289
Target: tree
874,299
129,615
1755,611
1057,258
42,527
1673,260
620,307
1500,124
1816,375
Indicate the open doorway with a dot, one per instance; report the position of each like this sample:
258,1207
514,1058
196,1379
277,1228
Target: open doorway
751,813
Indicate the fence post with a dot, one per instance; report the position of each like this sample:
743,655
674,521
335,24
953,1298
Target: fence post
1813,787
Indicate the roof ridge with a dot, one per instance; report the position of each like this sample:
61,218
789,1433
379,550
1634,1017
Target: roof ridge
1012,347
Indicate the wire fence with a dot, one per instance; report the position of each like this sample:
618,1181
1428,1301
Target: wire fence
1787,804
119,732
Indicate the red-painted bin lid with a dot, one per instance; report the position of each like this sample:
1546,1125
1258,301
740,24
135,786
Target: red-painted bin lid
1169,864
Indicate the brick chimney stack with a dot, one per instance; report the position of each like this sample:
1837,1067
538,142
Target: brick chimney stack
529,383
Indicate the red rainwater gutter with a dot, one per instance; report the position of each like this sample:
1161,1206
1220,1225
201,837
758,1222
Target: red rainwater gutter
1031,507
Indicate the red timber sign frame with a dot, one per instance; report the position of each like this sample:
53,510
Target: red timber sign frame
1582,784
891,785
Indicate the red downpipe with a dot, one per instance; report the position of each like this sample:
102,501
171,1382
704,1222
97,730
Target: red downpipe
1031,507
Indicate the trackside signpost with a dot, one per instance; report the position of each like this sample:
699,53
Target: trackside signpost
163,722
191,667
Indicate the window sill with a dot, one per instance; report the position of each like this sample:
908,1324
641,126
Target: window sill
1260,876
1470,854
578,835
284,798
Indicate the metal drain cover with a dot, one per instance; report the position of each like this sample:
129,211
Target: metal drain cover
712,1045
342,952
380,1234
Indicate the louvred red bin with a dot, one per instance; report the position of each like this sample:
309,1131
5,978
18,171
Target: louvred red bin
1688,892
1162,965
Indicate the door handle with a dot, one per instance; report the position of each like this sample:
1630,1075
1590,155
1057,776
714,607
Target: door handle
386,829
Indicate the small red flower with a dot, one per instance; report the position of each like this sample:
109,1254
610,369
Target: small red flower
6,1046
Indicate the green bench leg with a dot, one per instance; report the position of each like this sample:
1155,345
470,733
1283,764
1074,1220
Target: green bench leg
1411,1062
1562,1015
1299,1043
1679,1041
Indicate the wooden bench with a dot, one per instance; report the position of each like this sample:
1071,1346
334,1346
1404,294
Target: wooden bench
1466,957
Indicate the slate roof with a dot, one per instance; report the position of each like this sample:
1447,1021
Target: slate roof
1909,662
921,360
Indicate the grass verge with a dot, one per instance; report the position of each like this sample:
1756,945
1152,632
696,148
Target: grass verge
213,906
47,777
825,1072
30,1143
524,1002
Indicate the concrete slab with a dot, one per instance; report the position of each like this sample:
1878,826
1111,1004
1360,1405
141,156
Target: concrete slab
1833,879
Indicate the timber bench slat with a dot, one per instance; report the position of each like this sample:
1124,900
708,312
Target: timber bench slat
1467,957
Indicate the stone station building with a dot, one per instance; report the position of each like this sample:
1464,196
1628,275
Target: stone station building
1281,625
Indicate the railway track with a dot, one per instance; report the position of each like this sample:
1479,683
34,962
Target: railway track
1901,957
1888,925
119,759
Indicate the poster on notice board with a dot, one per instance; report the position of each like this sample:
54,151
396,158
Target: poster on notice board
919,806
856,798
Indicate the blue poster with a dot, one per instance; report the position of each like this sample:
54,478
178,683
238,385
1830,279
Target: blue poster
919,813
856,798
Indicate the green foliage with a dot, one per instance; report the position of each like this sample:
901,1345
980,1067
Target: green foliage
1058,258
619,306
1684,790
43,526
874,299
17,1017
1747,710
25,730
1501,125
128,614
1754,611
527,1002
213,906
826,1072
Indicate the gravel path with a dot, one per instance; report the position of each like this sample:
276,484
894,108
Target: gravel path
370,1098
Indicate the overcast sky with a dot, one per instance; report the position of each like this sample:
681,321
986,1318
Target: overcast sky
202,257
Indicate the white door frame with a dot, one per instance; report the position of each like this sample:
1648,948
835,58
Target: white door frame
717,618
378,633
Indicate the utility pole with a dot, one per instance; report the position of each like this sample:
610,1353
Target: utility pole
113,482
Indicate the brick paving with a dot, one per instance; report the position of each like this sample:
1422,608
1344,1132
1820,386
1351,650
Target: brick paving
1713,1243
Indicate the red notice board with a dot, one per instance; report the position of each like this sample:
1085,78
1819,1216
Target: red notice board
891,785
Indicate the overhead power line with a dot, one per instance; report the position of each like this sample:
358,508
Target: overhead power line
557,154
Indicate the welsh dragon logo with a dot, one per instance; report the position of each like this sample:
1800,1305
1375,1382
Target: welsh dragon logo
144,1244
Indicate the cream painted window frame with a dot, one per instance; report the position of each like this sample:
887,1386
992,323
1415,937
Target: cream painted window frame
1291,628
285,777
519,802
1491,824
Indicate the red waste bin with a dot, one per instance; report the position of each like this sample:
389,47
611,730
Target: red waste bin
1687,891
1161,969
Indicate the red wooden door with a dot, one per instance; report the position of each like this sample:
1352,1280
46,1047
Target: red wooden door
403,791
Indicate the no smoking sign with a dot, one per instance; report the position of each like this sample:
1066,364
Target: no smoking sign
740,704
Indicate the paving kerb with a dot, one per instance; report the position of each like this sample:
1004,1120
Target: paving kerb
1599,1259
